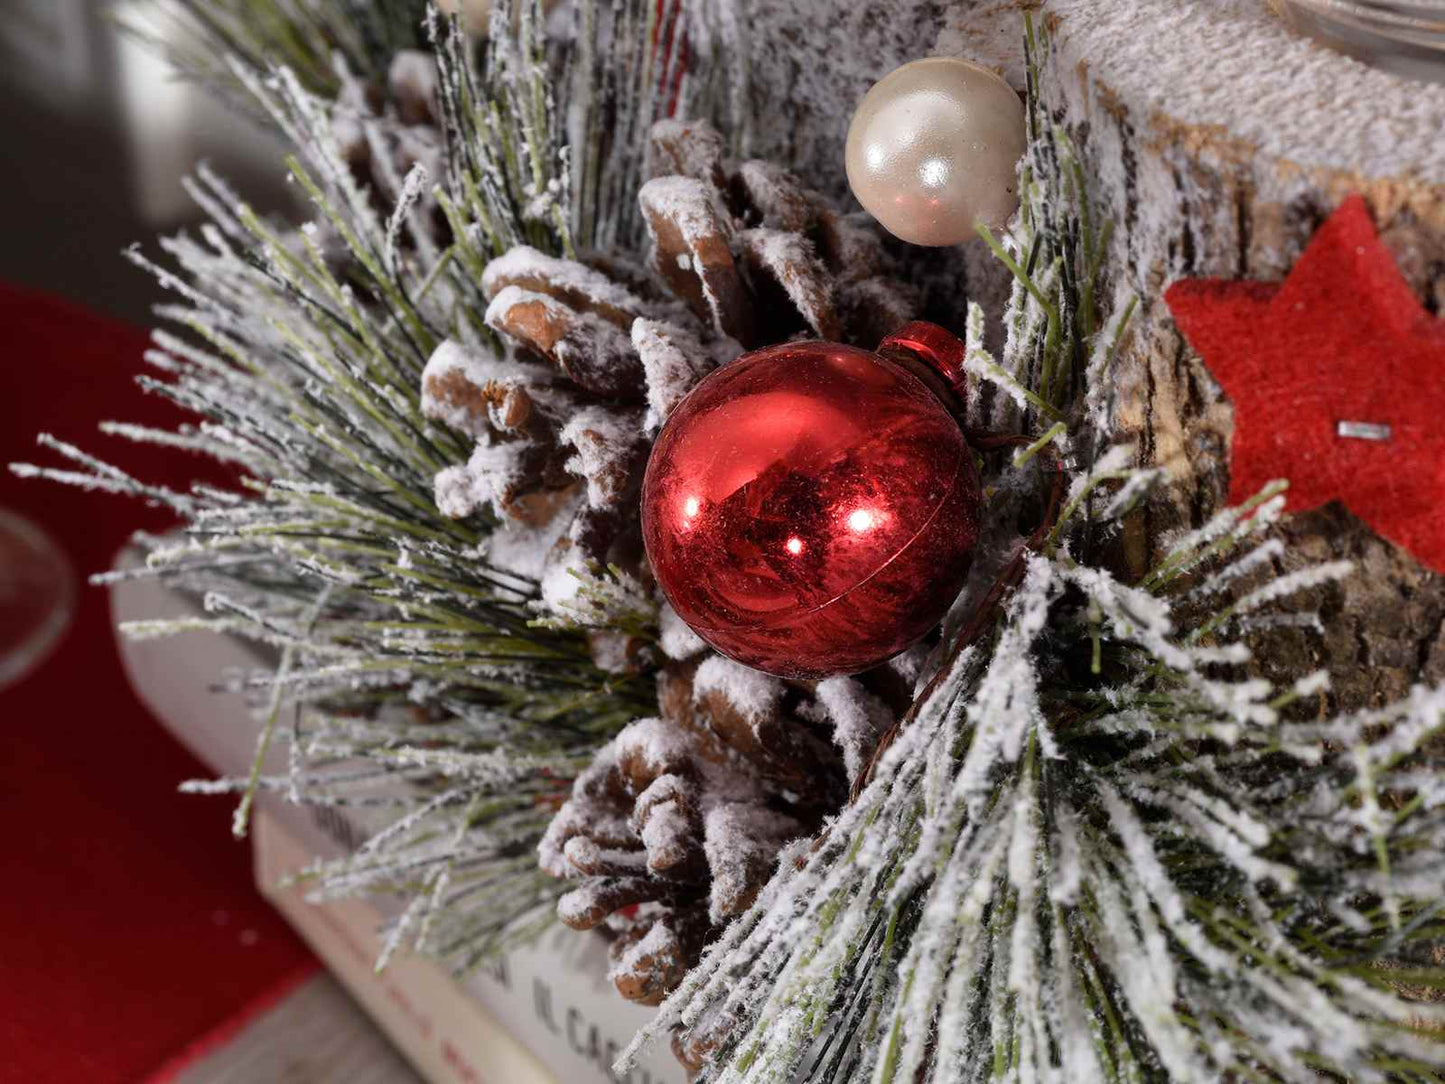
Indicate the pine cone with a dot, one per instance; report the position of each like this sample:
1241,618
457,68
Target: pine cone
756,255
678,822
604,350
747,255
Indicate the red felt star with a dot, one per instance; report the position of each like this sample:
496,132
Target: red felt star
1337,376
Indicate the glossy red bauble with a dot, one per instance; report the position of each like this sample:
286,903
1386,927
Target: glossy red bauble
811,508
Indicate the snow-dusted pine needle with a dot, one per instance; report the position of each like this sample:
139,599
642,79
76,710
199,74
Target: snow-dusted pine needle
417,692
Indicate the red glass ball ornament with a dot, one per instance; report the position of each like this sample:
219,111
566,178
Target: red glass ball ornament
811,508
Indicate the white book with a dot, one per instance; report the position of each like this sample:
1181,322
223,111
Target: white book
545,1014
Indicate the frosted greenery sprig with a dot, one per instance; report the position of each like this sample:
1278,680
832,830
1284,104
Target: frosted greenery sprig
413,685
1157,866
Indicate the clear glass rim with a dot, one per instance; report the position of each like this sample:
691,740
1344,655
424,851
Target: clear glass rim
1403,37
1416,22
37,644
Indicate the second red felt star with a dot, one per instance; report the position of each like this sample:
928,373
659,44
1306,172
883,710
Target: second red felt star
1337,376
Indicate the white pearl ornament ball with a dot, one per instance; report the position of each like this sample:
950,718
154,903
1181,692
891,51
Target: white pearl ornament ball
933,149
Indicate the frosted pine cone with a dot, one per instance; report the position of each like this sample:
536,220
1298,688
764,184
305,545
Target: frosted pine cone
603,350
756,255
747,256
678,822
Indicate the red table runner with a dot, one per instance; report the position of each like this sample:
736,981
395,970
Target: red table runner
129,925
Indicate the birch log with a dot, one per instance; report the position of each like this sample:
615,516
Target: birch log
1219,140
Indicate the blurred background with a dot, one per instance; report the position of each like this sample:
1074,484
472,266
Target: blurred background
96,134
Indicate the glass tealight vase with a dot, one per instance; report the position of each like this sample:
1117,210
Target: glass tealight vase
37,595
1406,37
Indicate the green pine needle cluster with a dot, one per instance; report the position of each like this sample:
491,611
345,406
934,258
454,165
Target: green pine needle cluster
415,687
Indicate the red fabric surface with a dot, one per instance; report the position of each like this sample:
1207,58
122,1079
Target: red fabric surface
129,924
221,1036
1343,338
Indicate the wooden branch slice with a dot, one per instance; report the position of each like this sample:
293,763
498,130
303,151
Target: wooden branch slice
1217,141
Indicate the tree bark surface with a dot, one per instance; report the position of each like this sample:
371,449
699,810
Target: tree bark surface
1218,141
